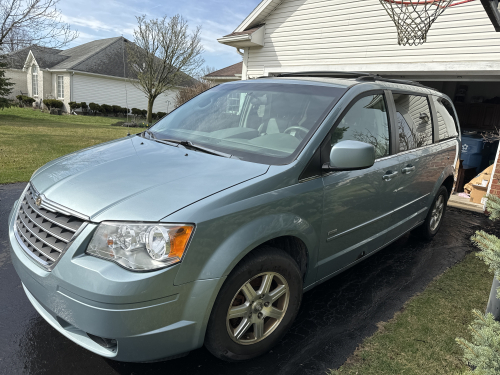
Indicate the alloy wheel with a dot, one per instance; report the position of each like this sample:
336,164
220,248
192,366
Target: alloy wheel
257,308
437,213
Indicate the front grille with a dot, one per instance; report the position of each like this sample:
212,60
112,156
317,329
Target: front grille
44,234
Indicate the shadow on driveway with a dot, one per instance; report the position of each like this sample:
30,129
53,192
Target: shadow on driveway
334,319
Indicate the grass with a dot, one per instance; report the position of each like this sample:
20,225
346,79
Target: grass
30,138
420,339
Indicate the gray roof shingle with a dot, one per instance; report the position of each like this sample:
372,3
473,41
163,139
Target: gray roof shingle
104,56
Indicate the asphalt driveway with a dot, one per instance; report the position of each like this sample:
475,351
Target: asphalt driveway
334,318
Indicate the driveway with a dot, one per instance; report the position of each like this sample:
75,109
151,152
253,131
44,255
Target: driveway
335,316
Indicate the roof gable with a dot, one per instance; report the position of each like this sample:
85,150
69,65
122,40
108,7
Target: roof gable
233,71
259,14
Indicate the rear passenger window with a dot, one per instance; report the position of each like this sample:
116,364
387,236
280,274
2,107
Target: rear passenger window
414,121
446,118
366,122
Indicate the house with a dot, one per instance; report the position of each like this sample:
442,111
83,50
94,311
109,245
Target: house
92,72
227,74
460,58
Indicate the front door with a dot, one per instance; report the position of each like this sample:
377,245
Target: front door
358,204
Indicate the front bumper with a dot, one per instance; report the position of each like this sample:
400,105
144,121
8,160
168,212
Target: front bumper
144,314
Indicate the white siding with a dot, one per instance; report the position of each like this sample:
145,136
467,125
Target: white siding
342,34
103,90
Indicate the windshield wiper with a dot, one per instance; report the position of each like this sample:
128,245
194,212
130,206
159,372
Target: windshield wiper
192,146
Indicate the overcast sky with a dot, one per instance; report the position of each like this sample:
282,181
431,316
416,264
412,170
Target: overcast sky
109,18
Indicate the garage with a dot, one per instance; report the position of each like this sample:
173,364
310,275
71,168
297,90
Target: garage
477,104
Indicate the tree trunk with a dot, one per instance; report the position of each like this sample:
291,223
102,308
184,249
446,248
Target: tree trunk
494,303
150,110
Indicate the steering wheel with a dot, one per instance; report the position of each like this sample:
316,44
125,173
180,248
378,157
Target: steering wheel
292,128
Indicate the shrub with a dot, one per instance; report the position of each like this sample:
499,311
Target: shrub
83,105
161,115
53,103
74,105
94,108
483,353
116,110
25,100
106,109
136,112
144,113
187,93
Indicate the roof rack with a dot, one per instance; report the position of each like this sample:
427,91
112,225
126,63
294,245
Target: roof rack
359,76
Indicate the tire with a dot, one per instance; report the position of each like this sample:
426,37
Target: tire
258,323
436,213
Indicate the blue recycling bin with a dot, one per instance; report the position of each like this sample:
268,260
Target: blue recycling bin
472,152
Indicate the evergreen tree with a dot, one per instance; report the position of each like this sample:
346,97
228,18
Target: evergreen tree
483,353
5,86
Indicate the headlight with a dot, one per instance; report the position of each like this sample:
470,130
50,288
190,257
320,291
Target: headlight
140,247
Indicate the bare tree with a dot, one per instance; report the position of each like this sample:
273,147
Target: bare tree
203,84
164,55
27,22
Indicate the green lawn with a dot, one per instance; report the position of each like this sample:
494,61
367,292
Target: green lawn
420,340
30,138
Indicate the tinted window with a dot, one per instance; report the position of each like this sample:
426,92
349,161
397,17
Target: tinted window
414,121
257,121
366,122
446,118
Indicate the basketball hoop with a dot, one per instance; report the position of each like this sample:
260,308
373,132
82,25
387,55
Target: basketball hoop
414,18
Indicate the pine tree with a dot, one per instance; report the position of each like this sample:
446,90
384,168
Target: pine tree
5,86
483,354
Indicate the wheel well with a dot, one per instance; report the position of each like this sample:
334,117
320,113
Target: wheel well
448,183
295,247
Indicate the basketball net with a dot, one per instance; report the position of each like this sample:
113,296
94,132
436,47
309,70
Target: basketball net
414,18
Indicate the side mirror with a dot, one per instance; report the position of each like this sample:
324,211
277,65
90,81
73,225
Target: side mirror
350,156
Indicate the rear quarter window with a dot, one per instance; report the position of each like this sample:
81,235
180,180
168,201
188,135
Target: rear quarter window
447,123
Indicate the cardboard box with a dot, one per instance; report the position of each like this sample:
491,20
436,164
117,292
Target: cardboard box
477,193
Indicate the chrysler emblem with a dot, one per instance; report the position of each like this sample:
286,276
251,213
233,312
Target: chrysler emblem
38,201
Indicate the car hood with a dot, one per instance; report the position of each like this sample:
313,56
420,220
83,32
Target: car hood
138,179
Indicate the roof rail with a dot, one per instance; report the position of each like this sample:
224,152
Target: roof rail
359,76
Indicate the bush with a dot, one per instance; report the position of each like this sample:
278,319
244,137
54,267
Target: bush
144,113
187,93
53,103
94,108
106,109
83,105
74,105
161,115
25,100
116,110
136,112
483,353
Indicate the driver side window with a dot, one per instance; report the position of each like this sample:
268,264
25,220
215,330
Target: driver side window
366,122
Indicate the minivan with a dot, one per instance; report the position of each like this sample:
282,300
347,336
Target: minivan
208,227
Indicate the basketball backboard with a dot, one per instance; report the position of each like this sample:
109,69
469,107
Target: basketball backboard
491,7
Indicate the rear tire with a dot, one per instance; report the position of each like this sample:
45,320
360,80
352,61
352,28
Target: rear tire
256,305
434,218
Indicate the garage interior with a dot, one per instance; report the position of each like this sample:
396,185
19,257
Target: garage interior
477,102
478,108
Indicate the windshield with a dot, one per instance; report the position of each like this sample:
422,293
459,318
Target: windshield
263,122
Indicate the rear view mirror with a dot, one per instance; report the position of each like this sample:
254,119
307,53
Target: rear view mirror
350,156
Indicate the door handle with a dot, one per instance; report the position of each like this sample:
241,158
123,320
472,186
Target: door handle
408,169
388,176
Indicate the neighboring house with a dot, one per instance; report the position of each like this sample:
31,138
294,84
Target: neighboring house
227,74
92,72
460,58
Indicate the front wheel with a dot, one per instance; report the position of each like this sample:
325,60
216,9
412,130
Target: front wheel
435,216
256,305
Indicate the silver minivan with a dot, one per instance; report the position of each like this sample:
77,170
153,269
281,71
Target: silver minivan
207,228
